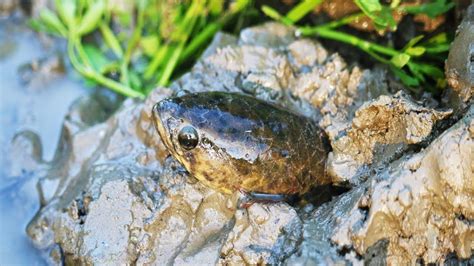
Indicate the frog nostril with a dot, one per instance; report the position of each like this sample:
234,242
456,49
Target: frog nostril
172,123
206,142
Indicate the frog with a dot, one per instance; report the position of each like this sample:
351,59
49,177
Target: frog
233,141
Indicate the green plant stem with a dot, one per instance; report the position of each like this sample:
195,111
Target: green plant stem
438,49
273,14
136,35
156,61
80,50
343,21
110,39
186,28
172,62
197,42
180,33
205,35
303,8
88,72
347,38
372,49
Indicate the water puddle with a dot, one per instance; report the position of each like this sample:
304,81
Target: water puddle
29,100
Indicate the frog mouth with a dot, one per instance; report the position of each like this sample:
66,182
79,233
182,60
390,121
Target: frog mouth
161,128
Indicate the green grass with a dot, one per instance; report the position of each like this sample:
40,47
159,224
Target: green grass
147,43
144,44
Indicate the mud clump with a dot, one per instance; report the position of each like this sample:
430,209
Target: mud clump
421,204
7,6
380,130
256,230
113,195
460,63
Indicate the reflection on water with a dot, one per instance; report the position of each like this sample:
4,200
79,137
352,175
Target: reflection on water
35,101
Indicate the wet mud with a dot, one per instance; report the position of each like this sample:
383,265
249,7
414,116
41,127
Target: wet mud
112,194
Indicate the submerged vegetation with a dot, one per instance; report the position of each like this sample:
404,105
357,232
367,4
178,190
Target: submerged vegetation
132,47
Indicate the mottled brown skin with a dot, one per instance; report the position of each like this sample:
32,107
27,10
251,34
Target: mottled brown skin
244,143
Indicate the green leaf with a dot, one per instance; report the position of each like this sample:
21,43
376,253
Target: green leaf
415,70
438,39
441,83
437,44
420,70
150,44
415,51
124,19
405,78
239,5
135,81
92,18
369,6
413,41
400,60
67,12
432,71
432,9
142,4
52,22
158,60
302,9
386,19
395,3
97,59
272,13
216,6
90,82
111,40
37,25
379,14
441,48
199,41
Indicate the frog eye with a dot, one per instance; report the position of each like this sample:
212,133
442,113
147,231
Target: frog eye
188,138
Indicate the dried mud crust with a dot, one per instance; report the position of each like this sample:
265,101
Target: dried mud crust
112,195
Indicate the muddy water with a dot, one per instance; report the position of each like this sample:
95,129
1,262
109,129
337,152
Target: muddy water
29,100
